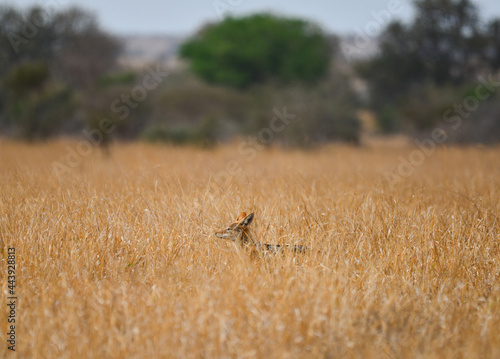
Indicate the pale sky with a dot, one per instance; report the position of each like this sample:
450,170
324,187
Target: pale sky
177,17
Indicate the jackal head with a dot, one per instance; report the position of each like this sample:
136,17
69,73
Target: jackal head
238,231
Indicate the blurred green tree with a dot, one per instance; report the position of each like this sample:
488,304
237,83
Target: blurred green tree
243,51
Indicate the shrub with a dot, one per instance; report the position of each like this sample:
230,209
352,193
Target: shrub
203,134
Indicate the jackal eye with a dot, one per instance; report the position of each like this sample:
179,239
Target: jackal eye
229,228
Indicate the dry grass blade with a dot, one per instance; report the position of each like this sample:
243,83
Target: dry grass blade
118,258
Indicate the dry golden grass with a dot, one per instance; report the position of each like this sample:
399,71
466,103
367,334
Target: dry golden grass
118,258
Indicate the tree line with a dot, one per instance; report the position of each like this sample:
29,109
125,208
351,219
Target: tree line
427,72
59,76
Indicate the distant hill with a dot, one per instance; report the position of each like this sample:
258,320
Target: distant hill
354,47
141,50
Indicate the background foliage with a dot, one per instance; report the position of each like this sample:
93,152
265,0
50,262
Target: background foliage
59,75
244,51
424,66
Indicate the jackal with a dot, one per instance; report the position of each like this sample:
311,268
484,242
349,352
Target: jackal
240,233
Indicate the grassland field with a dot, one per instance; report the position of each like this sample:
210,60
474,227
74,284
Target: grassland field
117,258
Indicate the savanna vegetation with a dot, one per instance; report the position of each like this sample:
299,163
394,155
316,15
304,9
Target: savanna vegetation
428,71
118,257
52,85
438,70
115,248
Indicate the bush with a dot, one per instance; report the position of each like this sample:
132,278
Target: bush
189,111
107,102
36,107
478,127
322,113
423,108
204,134
430,107
387,120
189,107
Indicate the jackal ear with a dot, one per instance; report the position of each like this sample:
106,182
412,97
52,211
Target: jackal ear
245,222
241,216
